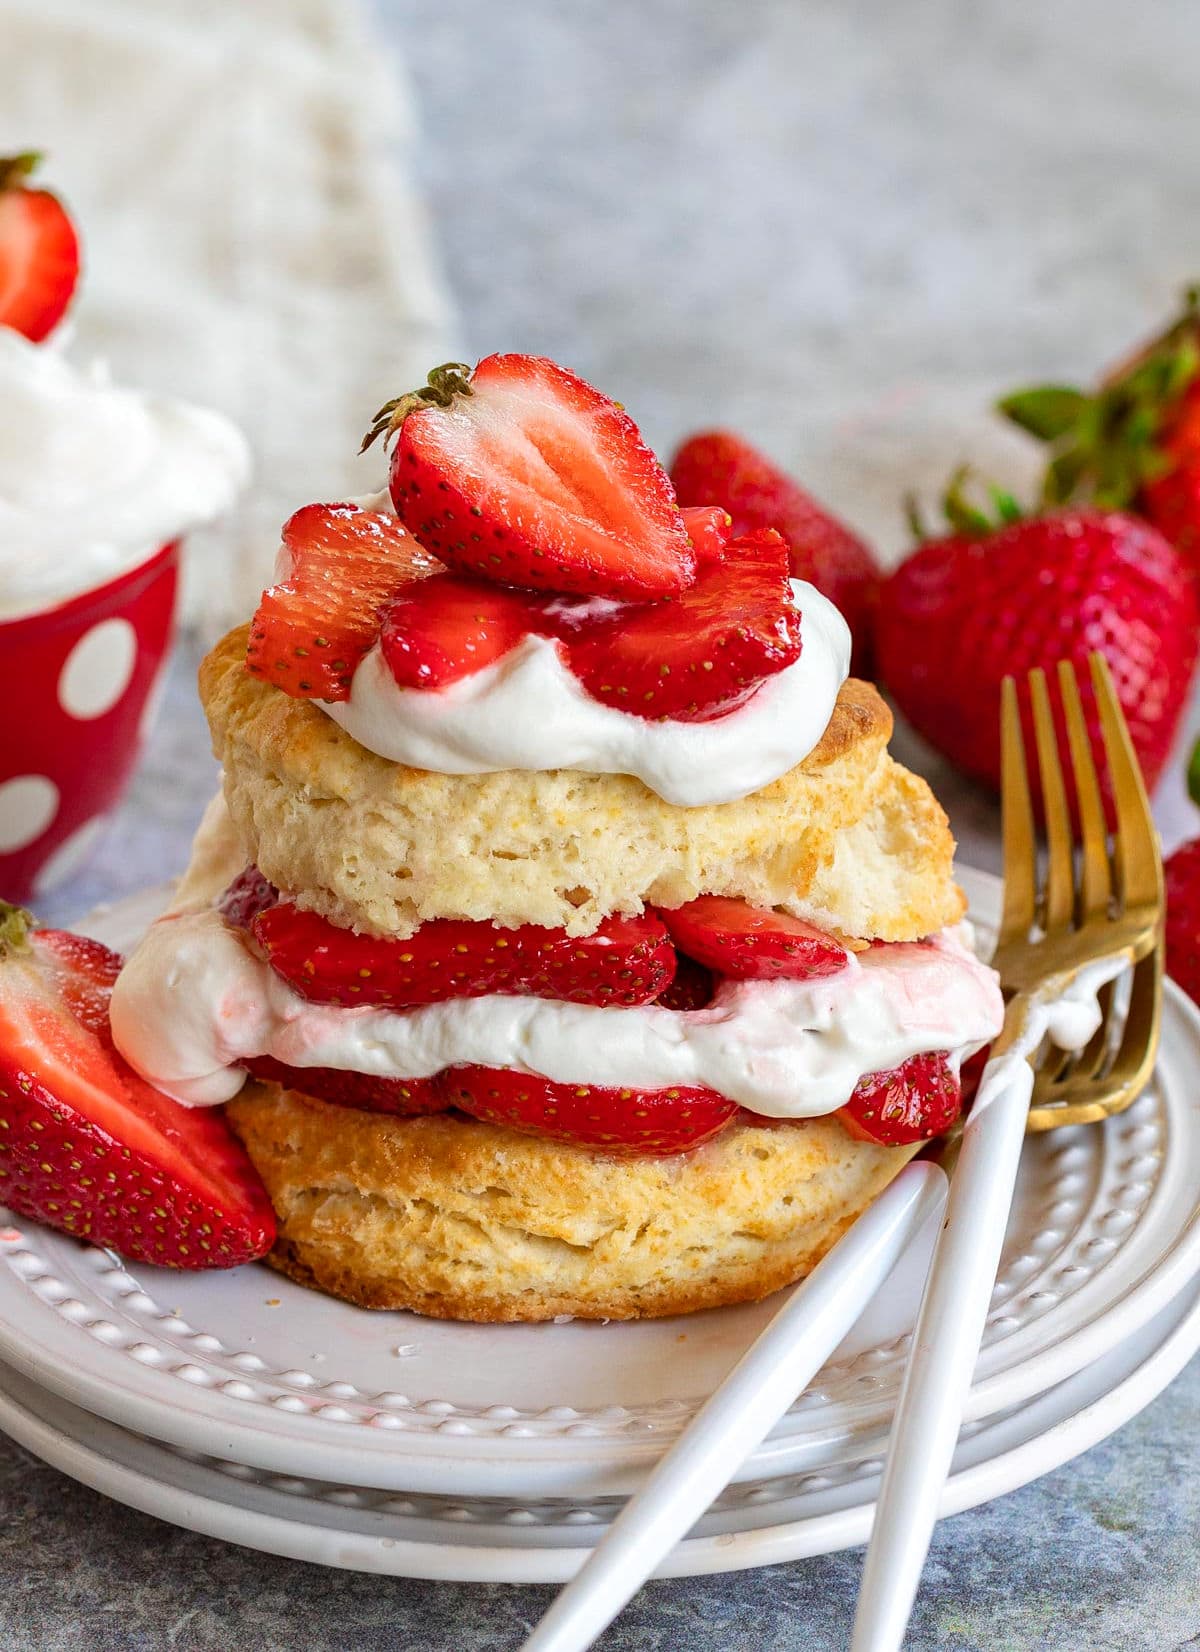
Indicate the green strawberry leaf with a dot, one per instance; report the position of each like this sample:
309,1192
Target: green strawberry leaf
1047,411
1193,774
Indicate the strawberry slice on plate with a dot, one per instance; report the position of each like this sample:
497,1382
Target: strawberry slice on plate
405,1097
313,627
703,653
913,1102
449,626
87,1146
523,473
752,943
624,961
39,252
617,1121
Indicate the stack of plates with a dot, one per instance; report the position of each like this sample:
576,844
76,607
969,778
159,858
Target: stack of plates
242,1406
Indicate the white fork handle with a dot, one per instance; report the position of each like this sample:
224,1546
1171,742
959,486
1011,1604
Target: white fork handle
942,1358
778,1366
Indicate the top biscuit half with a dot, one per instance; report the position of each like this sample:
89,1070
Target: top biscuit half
848,839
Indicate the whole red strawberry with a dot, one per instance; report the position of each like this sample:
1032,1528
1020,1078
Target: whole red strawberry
717,467
39,252
1182,877
1135,442
964,611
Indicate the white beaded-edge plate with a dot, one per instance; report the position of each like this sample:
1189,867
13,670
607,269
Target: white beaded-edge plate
440,1538
248,1366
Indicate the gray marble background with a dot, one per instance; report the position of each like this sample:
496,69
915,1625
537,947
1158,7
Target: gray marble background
843,228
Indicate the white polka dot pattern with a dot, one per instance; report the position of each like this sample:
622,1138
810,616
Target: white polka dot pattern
98,669
28,805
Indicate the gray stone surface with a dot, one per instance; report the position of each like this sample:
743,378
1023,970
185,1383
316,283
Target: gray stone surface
844,228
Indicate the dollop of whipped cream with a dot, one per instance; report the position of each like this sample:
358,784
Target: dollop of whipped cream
194,1001
94,477
528,711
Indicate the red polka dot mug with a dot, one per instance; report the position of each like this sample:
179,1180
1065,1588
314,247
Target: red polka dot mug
77,688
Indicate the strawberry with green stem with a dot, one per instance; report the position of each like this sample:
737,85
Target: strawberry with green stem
522,473
1003,592
1134,443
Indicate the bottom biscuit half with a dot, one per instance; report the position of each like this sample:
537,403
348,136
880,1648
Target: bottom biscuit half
458,1219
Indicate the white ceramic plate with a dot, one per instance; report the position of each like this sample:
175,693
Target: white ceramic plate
338,1525
250,1367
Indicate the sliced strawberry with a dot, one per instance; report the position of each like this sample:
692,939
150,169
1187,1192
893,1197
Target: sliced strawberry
312,629
39,252
621,1122
525,474
700,655
446,627
710,528
717,467
404,1096
247,896
625,961
692,988
87,1146
913,1102
752,943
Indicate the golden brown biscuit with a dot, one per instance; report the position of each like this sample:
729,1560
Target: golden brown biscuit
847,838
463,1220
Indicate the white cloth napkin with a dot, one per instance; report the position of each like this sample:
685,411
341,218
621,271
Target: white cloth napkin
252,240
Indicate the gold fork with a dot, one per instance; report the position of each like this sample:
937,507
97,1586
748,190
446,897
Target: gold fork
1097,910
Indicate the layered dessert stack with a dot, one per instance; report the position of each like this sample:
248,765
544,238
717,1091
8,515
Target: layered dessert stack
565,940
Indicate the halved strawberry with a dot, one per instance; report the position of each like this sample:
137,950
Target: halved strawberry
523,473
86,1145
39,252
620,1122
312,629
752,943
404,1096
703,653
446,627
625,961
710,528
914,1102
248,895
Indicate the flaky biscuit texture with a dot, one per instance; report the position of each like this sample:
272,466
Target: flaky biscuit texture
459,1219
848,838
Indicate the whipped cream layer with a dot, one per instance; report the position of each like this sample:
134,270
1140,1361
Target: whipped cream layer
528,711
94,477
195,1001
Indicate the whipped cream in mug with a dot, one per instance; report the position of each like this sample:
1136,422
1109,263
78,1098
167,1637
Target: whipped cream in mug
95,477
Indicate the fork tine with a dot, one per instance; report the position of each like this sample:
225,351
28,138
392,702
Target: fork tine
1139,1040
1136,852
1059,904
1080,1098
1020,845
1096,883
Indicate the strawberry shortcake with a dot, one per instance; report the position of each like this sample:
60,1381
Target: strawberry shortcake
564,940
